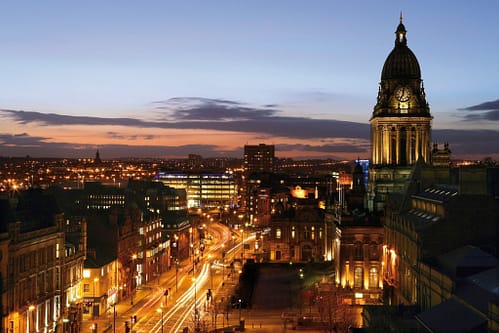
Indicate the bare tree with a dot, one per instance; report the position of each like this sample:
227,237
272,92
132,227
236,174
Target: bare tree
335,315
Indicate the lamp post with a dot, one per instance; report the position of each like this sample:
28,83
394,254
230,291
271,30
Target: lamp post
134,256
93,303
176,274
65,322
242,245
223,264
195,303
240,303
191,245
160,310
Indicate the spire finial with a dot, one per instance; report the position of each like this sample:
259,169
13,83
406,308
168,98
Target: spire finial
400,17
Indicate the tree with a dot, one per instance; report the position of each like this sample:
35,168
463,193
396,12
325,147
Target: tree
335,315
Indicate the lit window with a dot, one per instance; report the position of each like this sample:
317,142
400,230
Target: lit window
278,233
358,277
373,277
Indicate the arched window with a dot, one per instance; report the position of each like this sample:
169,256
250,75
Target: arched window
373,277
357,278
306,233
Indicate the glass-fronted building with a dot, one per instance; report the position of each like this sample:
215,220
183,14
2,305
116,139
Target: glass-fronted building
204,190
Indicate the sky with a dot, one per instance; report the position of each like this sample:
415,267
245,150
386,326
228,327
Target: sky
164,79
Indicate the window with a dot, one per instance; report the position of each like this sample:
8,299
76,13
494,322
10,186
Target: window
373,277
306,233
358,251
358,277
278,233
293,232
86,288
373,251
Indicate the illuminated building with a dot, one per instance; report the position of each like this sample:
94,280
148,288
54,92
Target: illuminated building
400,123
100,197
44,272
204,190
259,158
360,262
297,234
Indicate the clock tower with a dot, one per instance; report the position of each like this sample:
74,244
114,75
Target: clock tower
400,123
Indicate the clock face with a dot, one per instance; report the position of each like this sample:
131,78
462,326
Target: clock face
403,94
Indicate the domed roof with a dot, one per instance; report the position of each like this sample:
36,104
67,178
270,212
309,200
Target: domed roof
401,63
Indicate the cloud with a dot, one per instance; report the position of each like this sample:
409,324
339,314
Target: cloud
488,111
492,105
212,114
329,148
115,135
468,142
491,115
21,140
265,123
23,145
26,117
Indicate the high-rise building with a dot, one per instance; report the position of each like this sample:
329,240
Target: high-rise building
259,158
400,123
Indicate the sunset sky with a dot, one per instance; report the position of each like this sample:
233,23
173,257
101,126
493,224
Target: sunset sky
169,78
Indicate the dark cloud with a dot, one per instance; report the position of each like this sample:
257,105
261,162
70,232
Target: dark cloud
195,108
26,117
490,115
486,106
467,142
21,140
213,114
223,115
23,145
119,136
488,111
329,148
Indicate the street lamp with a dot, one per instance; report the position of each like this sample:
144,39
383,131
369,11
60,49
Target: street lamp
93,303
160,310
65,322
176,274
195,303
134,256
191,244
242,247
223,264
240,302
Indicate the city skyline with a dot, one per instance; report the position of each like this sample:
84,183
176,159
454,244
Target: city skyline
165,79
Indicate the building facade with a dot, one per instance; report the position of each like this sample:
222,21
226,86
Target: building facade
259,158
296,236
40,291
204,190
400,123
